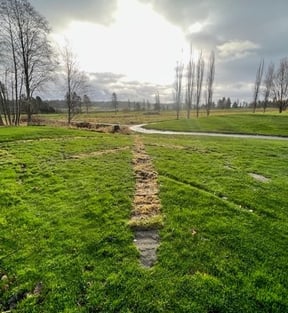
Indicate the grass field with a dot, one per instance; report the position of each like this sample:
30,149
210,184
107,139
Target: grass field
140,117
65,243
121,117
260,124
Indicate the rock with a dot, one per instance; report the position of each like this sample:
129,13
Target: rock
147,242
260,178
115,128
83,125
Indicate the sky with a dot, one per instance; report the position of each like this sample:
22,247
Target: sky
131,46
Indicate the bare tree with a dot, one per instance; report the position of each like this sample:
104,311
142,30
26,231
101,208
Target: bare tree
75,80
10,62
280,84
157,106
258,80
86,102
115,102
26,36
210,82
178,86
4,106
268,84
199,81
190,83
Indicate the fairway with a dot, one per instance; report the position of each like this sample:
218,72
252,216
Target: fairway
66,245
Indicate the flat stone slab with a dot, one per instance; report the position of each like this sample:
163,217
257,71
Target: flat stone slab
147,242
260,178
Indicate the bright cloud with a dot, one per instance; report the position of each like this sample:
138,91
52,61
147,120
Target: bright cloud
236,49
140,44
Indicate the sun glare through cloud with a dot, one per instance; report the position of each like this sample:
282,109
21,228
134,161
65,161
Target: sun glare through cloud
140,44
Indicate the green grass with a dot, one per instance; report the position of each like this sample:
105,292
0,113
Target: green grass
64,223
29,133
258,124
135,117
239,224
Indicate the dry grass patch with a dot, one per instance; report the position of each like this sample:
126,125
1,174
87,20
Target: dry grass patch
146,204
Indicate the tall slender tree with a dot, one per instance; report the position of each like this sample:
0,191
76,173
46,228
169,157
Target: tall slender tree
115,102
75,80
210,82
257,84
268,84
157,106
199,81
280,84
4,106
87,103
178,86
190,82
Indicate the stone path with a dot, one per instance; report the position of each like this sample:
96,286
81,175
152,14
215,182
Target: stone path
140,129
146,215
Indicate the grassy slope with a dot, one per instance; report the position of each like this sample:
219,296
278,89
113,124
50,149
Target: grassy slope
121,117
268,124
63,219
238,247
64,223
28,133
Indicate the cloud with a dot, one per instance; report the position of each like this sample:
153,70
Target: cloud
240,32
216,22
236,91
102,85
105,78
61,13
236,49
183,12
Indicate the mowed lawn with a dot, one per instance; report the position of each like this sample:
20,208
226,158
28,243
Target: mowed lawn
257,124
65,244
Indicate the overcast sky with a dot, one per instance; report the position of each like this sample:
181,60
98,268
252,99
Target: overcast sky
131,46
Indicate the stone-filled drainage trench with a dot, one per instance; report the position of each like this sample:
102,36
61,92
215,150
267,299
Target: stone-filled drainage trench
146,216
